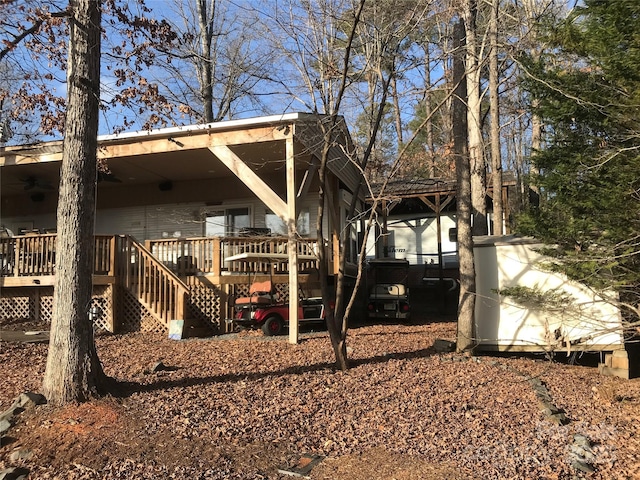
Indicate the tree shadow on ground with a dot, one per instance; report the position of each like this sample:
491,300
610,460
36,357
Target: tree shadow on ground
123,389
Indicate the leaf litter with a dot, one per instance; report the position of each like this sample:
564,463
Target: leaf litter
243,407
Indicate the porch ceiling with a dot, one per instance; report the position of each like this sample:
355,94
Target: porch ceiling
180,154
149,168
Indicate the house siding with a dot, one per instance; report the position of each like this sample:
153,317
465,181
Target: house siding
179,220
150,222
41,222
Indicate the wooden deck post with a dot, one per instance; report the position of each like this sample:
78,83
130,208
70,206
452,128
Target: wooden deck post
293,242
112,317
217,257
37,305
16,256
113,255
225,308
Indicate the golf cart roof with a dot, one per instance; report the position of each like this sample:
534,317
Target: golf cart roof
389,262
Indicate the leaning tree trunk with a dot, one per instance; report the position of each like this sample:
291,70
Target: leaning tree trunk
73,371
334,323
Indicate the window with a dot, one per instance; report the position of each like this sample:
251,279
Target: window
227,223
278,227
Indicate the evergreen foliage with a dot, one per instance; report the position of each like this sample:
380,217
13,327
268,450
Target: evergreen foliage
588,89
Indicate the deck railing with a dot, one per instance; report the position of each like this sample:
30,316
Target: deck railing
152,273
35,255
208,255
151,282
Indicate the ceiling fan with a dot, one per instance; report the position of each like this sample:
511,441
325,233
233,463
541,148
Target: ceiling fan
107,177
32,182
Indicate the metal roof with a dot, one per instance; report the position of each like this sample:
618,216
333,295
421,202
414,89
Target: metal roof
414,187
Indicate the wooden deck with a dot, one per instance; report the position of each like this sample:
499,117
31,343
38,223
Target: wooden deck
151,284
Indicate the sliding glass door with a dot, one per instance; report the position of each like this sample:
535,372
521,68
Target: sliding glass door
227,223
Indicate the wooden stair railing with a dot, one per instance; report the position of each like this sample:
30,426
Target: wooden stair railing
151,282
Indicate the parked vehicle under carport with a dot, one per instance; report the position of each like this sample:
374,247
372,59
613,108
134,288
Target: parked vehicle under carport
388,289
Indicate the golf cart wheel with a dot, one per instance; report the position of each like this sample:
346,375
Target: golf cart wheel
272,326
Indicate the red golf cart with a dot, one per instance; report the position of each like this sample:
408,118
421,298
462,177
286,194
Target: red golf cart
261,309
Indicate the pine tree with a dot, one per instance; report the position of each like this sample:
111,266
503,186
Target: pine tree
588,95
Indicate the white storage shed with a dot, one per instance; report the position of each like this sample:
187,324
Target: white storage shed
585,321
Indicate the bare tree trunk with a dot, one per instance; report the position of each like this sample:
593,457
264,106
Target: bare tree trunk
337,318
536,141
205,66
496,157
474,115
73,372
396,108
466,304
428,108
338,342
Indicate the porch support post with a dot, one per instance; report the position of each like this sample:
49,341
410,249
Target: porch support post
285,210
439,233
505,212
293,242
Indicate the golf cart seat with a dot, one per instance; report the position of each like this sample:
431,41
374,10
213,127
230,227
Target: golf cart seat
260,293
395,289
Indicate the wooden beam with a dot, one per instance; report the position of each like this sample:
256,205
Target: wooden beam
143,145
443,203
20,155
308,178
334,193
112,318
439,234
195,140
37,281
252,181
385,230
447,201
505,210
333,206
428,203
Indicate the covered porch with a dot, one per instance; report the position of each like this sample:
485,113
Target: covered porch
187,198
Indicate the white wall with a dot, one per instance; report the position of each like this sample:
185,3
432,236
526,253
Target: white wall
178,220
504,262
416,240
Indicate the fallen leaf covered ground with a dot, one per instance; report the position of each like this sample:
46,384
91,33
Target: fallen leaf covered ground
244,406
